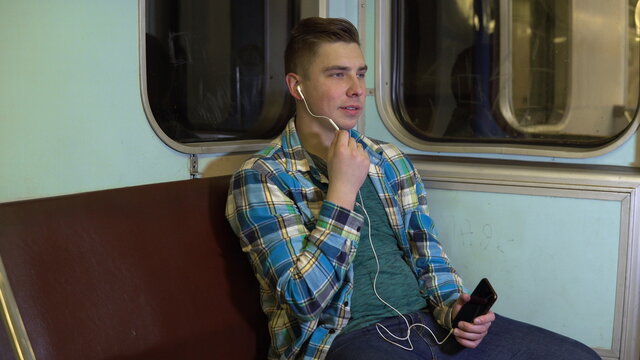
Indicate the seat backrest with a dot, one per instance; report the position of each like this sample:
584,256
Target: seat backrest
145,272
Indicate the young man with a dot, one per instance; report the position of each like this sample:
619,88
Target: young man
337,230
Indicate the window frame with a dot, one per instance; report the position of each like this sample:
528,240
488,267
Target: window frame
384,95
273,69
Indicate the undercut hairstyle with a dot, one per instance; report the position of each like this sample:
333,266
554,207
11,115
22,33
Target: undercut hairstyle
309,34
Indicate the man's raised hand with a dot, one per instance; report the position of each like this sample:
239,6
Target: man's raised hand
348,166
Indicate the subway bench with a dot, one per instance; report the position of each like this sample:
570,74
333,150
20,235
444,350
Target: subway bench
144,272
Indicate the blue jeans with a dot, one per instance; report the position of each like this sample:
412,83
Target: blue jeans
507,339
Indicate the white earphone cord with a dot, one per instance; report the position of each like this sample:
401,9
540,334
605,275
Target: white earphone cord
314,115
375,290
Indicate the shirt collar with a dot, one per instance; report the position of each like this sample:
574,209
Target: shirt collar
297,158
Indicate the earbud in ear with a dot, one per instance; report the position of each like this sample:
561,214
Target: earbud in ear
299,87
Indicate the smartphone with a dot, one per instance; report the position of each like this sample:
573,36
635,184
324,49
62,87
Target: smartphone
482,298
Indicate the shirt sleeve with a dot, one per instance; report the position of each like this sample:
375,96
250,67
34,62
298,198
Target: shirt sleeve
438,280
303,268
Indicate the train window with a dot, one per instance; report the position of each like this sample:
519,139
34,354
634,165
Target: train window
553,73
212,71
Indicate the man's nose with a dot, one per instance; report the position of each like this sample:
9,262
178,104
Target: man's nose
356,87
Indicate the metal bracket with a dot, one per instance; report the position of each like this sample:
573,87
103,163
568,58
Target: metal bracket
193,166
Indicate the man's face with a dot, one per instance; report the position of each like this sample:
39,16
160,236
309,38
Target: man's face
333,84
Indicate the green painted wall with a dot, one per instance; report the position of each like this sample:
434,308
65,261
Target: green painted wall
71,119
552,260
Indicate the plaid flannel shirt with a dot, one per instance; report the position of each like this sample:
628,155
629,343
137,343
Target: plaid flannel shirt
301,246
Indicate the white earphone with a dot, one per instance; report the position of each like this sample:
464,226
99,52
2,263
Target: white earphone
375,290
299,88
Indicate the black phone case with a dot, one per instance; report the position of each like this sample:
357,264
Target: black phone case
482,298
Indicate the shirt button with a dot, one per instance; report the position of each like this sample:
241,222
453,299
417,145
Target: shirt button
332,331
358,228
346,303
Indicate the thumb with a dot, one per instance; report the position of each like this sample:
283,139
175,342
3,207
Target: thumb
463,299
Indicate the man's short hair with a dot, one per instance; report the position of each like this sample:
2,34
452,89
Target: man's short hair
309,34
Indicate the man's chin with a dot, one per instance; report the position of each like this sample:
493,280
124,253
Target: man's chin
346,124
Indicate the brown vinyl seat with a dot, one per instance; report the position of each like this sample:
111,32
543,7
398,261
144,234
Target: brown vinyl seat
145,272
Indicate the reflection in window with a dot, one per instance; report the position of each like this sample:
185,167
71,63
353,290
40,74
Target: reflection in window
214,69
551,72
540,42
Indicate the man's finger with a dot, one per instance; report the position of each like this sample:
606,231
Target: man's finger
334,142
343,137
469,344
469,335
474,329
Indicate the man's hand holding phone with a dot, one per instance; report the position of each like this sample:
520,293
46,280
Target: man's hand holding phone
472,315
467,334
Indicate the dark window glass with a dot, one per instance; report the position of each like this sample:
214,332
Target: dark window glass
215,69
491,71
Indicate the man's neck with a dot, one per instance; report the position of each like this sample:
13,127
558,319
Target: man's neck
314,136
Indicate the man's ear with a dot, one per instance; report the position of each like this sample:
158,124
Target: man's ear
293,80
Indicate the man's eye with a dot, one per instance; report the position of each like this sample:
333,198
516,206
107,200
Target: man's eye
361,75
337,75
